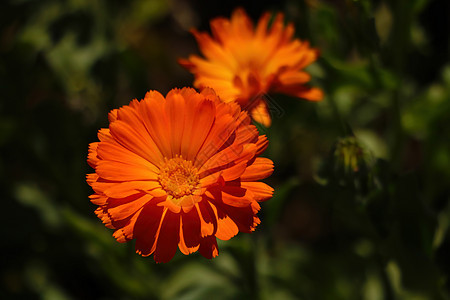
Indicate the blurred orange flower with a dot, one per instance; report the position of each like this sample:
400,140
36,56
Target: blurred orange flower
180,170
242,63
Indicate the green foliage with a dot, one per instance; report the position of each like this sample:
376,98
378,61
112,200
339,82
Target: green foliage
361,206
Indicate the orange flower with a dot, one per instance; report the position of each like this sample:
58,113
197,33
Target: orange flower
179,171
242,63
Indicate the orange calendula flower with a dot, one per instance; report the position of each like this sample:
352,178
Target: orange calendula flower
243,62
179,171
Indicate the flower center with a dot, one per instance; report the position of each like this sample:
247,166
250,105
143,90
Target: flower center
178,177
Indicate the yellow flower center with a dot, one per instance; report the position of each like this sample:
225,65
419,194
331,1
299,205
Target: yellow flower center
178,177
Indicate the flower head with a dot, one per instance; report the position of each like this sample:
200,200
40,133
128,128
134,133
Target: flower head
243,62
350,155
179,171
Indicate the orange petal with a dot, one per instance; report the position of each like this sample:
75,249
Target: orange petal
168,239
259,190
277,25
155,120
226,228
260,114
157,192
221,30
248,153
100,185
299,77
213,50
112,116
191,228
127,206
91,178
242,216
208,247
126,232
235,171
204,118
104,134
92,155
208,221
175,108
170,205
229,164
235,196
102,214
261,168
222,158
98,199
127,188
187,202
182,243
146,228
118,171
261,27
210,179
131,116
137,142
113,151
246,134
261,144
221,131
313,94
241,22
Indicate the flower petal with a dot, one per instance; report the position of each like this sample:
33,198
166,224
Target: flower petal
261,168
208,247
200,125
126,232
226,228
260,114
259,190
112,151
119,171
119,209
92,155
175,108
208,221
128,188
168,237
182,243
155,120
191,227
137,142
146,228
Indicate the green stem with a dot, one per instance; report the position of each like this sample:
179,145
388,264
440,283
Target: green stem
398,136
254,271
399,45
337,116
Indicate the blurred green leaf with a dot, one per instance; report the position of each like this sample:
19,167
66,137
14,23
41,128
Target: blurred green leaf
197,281
29,194
274,207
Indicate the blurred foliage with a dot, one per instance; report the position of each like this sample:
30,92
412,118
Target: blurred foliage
362,179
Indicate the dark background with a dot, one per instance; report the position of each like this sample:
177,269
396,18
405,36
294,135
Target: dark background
362,179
